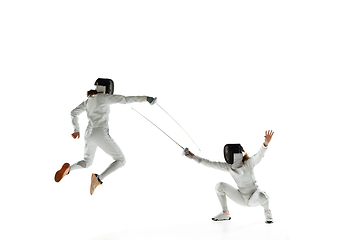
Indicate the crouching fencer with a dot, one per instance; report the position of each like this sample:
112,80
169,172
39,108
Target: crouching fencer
240,166
97,107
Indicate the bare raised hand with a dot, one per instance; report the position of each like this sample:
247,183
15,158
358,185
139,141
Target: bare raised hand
75,135
268,136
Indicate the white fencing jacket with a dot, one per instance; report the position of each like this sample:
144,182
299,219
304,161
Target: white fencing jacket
244,176
97,108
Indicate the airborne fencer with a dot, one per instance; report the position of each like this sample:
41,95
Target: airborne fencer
240,166
97,107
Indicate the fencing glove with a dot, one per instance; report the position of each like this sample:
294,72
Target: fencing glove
151,100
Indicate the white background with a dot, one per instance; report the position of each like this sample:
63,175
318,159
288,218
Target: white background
226,71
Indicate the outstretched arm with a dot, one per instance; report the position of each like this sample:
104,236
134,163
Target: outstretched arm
111,99
216,165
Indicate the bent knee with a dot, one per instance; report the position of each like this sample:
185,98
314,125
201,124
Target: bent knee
219,188
84,163
120,161
258,198
263,198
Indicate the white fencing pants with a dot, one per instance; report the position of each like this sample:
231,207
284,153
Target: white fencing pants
258,197
99,137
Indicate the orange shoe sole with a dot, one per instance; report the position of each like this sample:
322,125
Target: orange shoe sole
61,173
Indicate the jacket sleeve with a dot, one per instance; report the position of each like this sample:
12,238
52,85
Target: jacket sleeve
254,160
112,99
74,116
216,165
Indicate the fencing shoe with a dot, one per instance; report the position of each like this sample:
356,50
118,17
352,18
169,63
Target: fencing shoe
268,217
95,181
65,169
222,216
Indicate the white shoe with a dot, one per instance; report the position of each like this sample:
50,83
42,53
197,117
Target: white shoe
222,216
268,217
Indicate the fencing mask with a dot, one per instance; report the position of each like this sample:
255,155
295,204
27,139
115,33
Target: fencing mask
105,85
233,155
